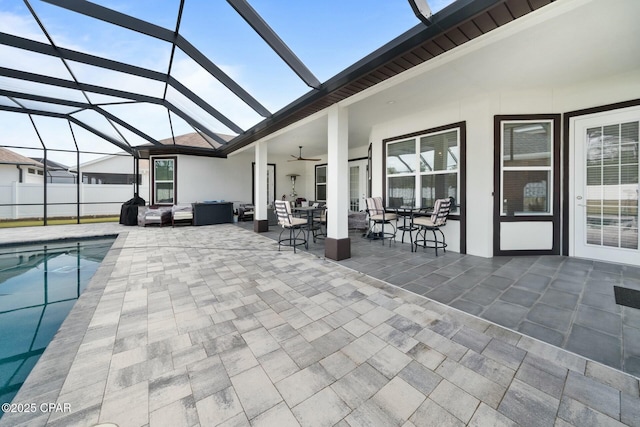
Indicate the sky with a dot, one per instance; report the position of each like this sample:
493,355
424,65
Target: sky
327,36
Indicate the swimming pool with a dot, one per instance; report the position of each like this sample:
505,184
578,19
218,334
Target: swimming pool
39,284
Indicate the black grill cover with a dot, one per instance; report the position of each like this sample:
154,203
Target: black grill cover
129,211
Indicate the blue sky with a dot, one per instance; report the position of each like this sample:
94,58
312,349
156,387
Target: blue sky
327,36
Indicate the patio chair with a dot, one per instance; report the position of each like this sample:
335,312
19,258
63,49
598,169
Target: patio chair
160,215
433,223
287,221
378,216
321,230
181,213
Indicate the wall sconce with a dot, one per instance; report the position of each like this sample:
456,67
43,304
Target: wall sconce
293,185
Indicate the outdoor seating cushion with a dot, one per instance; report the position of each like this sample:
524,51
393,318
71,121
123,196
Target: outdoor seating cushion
182,212
182,215
295,222
377,211
386,217
424,221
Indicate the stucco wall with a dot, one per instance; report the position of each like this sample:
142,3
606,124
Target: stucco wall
478,113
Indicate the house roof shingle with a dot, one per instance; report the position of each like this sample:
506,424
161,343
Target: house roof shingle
9,157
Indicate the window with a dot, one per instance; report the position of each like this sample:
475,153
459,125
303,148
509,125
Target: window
109,178
423,168
527,165
31,171
164,180
321,183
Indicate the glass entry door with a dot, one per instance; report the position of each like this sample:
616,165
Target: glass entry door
606,187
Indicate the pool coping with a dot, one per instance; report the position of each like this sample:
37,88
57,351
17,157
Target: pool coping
44,383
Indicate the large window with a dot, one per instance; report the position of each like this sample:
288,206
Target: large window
527,165
423,168
164,180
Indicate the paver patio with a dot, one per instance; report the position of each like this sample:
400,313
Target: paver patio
213,326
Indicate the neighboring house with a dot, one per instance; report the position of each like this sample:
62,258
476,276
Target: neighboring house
57,173
17,168
112,169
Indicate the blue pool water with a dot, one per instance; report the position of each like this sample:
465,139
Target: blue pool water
38,286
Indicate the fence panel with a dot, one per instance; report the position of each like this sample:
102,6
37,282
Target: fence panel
23,201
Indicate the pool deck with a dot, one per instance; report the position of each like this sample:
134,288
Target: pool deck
213,326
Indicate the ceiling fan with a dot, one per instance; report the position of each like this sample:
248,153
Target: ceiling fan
295,159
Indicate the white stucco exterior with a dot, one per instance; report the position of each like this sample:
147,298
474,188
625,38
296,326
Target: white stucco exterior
550,62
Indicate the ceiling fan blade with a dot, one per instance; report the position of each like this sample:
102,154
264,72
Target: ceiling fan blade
297,158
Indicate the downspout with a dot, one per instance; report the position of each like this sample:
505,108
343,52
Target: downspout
20,172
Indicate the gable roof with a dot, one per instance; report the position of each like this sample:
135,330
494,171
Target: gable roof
193,143
9,157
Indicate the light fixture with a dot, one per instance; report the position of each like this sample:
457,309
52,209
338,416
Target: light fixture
422,10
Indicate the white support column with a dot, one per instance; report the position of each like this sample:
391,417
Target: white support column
260,221
337,243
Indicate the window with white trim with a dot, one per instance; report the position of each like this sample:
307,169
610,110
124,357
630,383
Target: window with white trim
164,181
321,183
423,168
527,167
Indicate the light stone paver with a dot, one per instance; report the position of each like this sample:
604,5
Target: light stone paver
303,384
323,409
186,326
256,392
279,415
398,398
455,400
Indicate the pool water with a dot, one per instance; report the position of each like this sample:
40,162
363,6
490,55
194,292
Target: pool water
39,284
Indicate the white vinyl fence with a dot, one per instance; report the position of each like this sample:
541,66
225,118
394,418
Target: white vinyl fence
22,201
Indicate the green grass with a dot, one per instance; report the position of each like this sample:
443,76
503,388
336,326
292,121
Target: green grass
55,221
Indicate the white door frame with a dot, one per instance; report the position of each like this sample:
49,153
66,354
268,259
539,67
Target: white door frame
362,177
577,177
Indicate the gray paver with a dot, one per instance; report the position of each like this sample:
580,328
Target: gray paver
303,384
324,408
255,391
528,406
189,333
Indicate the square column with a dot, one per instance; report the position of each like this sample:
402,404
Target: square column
260,219
337,245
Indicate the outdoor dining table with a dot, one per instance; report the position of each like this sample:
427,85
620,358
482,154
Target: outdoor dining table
309,210
407,212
